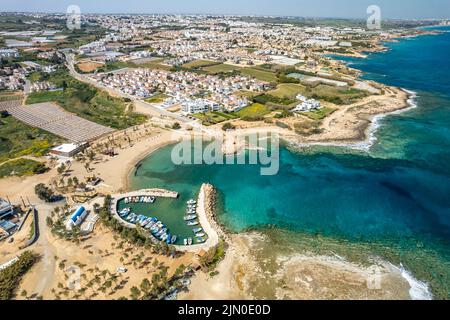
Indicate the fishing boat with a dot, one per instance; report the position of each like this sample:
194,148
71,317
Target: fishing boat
192,223
164,237
200,239
131,216
191,202
173,239
197,230
161,232
146,222
190,217
124,212
185,241
200,234
149,225
190,241
152,199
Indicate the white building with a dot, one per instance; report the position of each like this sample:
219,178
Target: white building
76,218
67,150
306,104
199,106
9,53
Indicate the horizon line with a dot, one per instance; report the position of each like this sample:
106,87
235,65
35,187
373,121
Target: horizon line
223,15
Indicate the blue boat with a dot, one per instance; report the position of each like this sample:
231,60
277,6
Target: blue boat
169,238
173,239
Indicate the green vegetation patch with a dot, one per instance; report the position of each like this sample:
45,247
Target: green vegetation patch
196,64
221,68
319,114
261,75
88,102
11,276
334,95
18,139
22,167
287,90
10,96
267,98
255,112
211,118
157,98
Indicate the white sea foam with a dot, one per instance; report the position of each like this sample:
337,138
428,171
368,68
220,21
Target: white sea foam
419,290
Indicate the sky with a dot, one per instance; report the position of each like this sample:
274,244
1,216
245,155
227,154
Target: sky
398,9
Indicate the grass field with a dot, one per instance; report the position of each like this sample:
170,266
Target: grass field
211,118
155,64
255,110
287,90
21,167
157,98
335,95
319,114
88,102
199,64
18,139
261,75
221,68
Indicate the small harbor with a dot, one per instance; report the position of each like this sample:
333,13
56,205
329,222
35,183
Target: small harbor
165,216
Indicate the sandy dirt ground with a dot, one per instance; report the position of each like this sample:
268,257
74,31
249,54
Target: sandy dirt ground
89,66
302,276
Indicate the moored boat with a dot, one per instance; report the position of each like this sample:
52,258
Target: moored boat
200,239
190,217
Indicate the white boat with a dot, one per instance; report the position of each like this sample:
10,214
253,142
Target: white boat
131,216
191,202
152,199
124,212
185,241
190,217
200,234
190,241
200,239
192,223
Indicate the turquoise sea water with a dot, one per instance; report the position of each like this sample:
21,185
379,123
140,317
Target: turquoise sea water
397,194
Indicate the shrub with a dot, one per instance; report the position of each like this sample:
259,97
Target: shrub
44,193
